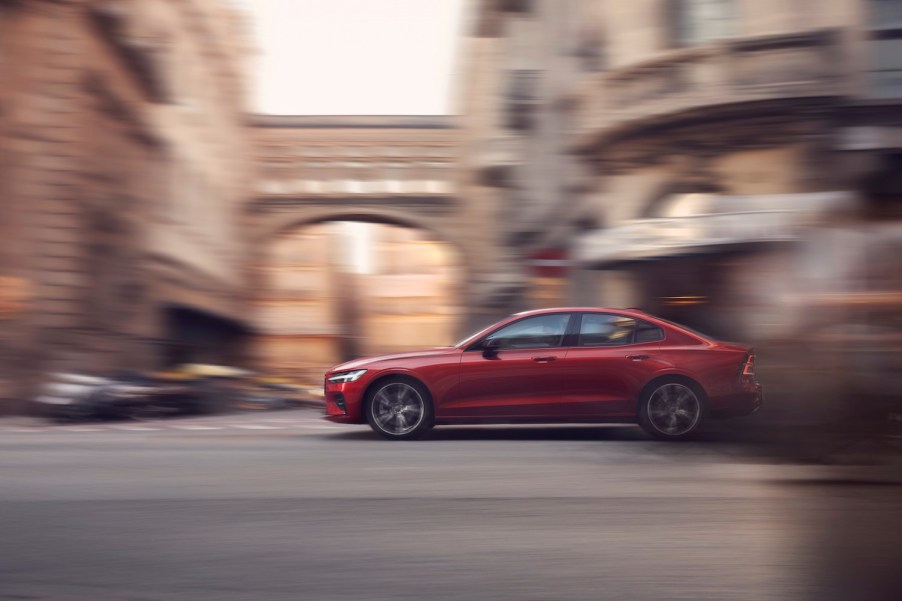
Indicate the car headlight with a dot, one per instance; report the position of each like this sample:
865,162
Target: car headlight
347,376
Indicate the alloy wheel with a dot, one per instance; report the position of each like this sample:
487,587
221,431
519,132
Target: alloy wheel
674,409
398,408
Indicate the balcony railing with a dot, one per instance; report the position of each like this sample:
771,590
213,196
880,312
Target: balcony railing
736,71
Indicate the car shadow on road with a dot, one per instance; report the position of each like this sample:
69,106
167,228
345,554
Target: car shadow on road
463,433
587,433
710,446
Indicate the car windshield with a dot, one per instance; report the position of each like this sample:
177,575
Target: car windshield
474,336
480,333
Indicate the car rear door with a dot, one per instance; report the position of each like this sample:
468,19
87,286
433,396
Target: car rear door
612,358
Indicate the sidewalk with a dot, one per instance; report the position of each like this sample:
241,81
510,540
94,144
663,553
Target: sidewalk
26,421
21,421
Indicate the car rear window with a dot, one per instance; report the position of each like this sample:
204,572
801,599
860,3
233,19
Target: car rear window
648,332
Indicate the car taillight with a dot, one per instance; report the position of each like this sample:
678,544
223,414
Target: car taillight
748,367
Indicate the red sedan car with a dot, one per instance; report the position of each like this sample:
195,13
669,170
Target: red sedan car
575,365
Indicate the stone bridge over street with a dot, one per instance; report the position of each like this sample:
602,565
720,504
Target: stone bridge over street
394,170
384,169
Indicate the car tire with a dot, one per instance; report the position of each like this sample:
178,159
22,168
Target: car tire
672,408
399,408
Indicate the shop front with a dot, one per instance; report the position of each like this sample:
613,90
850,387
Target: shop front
728,267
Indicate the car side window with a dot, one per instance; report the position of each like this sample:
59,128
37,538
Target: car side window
540,331
648,332
604,329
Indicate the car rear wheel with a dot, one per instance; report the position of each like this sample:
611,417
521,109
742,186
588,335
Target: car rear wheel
399,409
671,409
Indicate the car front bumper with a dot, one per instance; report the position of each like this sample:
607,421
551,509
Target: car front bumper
344,401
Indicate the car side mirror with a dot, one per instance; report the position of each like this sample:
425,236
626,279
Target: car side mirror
491,347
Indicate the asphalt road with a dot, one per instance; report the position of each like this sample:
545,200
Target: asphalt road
283,506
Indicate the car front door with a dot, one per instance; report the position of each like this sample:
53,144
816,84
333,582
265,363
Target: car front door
518,376
611,360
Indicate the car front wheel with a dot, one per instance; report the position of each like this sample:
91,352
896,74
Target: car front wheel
671,409
399,409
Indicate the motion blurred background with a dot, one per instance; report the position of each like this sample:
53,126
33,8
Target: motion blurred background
183,182
202,199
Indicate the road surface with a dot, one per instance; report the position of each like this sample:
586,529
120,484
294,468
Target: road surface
285,506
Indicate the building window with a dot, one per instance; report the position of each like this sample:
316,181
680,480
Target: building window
883,190
394,176
436,177
886,71
886,48
351,178
589,51
329,177
696,22
886,13
522,96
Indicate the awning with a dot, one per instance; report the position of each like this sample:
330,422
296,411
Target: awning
732,220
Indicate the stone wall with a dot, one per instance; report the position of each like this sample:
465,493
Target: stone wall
89,135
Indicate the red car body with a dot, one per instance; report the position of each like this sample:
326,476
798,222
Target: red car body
568,382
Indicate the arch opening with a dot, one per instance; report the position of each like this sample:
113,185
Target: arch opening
333,290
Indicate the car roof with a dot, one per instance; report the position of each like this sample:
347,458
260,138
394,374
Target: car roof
630,311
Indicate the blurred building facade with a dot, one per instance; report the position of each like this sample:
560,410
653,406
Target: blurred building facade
326,290
124,166
515,72
713,161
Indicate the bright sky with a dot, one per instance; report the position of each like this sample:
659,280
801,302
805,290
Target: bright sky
356,57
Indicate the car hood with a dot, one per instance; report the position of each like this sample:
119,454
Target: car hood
365,362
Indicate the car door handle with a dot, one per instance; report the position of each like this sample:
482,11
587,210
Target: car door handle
638,357
543,359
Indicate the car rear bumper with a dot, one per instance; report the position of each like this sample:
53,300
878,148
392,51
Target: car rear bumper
745,402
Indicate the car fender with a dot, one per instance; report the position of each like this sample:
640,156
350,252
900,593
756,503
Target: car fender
676,371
